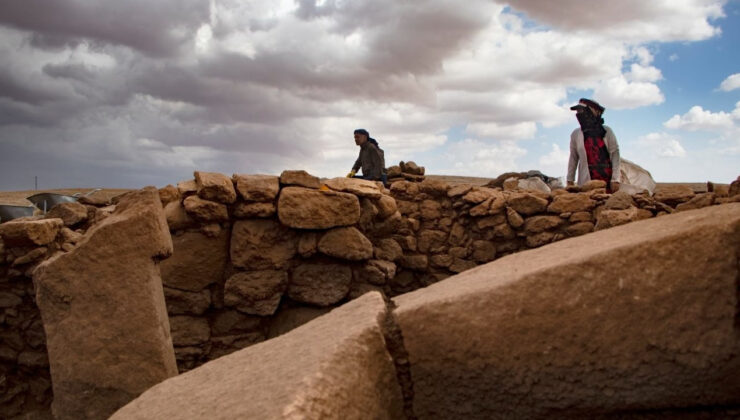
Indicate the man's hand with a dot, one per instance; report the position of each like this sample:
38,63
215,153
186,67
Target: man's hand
351,174
615,186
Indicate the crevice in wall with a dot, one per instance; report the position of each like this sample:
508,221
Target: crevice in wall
396,348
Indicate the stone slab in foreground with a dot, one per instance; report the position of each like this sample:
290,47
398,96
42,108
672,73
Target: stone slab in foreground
636,319
103,309
334,367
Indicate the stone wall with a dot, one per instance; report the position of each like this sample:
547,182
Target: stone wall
449,229
255,255
25,383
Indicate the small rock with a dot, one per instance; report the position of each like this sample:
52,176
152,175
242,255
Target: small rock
70,213
347,243
168,194
206,210
256,292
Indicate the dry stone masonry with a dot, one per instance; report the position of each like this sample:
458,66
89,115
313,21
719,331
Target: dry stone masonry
639,321
253,257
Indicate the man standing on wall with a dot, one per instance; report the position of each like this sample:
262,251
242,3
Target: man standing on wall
593,148
371,158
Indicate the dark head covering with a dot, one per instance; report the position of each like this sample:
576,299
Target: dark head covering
583,102
365,132
591,124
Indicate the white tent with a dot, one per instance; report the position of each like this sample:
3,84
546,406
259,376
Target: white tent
635,179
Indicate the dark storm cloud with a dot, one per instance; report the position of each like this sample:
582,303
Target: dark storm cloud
13,88
156,28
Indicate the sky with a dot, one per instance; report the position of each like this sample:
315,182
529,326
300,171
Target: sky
144,92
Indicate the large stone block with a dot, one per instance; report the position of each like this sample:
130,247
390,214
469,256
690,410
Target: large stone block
30,233
256,292
197,261
103,308
526,203
305,208
206,210
635,319
356,186
299,178
70,213
257,187
346,243
262,244
571,203
335,366
320,284
214,186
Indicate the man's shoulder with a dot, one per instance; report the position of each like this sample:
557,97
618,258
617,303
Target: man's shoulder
577,132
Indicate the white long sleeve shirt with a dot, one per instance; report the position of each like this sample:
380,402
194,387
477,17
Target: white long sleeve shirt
578,156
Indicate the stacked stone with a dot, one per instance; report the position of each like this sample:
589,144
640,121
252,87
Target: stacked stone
405,171
24,366
449,229
255,255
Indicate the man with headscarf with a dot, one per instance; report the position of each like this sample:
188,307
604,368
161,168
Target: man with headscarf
371,158
593,147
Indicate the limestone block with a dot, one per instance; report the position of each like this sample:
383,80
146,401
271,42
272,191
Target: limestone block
257,187
430,210
335,366
356,186
431,241
639,318
459,190
308,244
169,194
527,203
262,244
417,262
386,206
214,186
30,233
305,208
699,201
205,210
593,185
346,243
256,292
186,188
189,330
571,203
300,179
180,302
250,210
70,213
177,217
611,218
197,261
515,219
536,224
388,249
104,313
673,194
319,284
619,201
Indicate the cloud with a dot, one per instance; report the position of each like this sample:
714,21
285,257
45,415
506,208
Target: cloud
698,119
167,87
660,20
732,82
620,93
662,145
155,28
477,158
555,162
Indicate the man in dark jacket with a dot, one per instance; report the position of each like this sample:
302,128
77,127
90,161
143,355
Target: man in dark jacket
371,158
